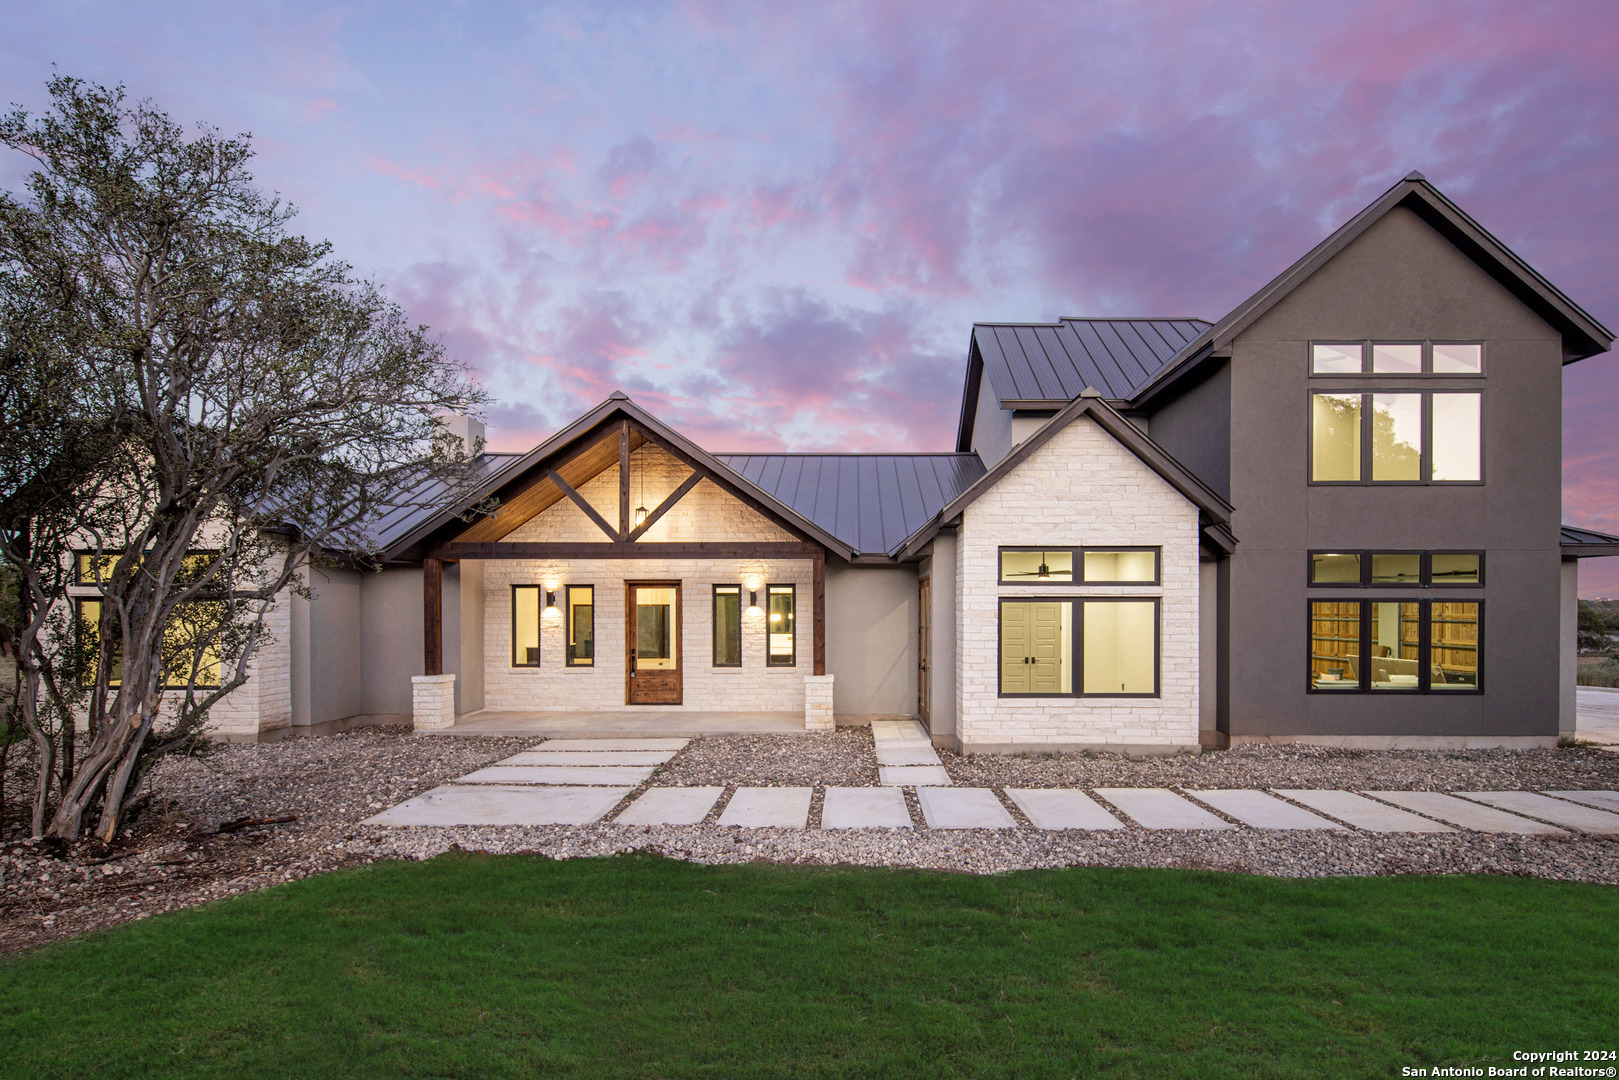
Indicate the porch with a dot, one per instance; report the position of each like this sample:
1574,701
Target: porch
623,723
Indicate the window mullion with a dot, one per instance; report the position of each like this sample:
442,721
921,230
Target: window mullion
1364,672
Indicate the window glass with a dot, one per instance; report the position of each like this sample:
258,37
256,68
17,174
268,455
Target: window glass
1456,450
1458,358
727,626
1397,359
94,569
1396,436
581,625
1391,568
1120,647
90,641
1335,359
779,624
1134,566
1453,646
1396,630
655,628
1335,645
526,626
1037,566
179,655
1335,436
1455,569
1330,569
1037,647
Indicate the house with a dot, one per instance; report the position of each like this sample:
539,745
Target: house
1330,516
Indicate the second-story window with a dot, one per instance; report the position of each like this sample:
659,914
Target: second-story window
1416,437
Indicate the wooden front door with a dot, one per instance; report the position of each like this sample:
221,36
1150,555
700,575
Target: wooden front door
652,642
924,647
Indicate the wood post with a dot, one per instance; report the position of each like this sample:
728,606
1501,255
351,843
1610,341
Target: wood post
818,589
432,617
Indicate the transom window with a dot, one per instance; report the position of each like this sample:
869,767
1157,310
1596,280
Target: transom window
1097,565
1391,646
1396,358
1396,568
1095,647
1419,437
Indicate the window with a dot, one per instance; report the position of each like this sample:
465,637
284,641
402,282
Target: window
1426,437
727,626
92,569
581,626
1396,358
180,656
782,648
1135,566
1391,646
526,625
1380,568
1113,644
1025,565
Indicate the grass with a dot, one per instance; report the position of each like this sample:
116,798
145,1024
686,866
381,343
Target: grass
477,966
1597,671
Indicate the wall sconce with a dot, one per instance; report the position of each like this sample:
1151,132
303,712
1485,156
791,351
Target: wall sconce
551,600
753,599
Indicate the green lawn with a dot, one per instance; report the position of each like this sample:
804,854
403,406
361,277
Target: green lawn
475,966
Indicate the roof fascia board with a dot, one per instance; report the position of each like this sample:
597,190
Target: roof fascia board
1107,418
1589,551
969,395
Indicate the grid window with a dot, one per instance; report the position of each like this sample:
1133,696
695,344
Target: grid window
1402,438
1391,646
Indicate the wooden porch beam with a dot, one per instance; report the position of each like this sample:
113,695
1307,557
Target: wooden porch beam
818,590
583,504
623,479
663,508
741,549
432,617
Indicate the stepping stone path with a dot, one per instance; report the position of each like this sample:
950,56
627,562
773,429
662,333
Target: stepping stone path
581,781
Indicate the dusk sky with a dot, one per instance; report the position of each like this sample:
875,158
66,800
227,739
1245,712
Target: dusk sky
774,224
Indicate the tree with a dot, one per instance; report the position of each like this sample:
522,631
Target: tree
1595,628
199,404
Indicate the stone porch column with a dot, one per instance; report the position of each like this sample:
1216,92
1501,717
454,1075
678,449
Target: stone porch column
818,703
432,701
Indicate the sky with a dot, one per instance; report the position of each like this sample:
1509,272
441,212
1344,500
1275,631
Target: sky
774,224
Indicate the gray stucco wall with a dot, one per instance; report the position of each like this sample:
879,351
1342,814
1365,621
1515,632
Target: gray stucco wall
390,638
1196,428
871,614
992,427
1399,281
326,658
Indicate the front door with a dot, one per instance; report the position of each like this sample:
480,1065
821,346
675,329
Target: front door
652,642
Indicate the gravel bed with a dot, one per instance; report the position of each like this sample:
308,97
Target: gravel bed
1295,766
842,758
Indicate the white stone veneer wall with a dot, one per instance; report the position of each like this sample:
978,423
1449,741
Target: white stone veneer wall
264,702
1081,488
706,513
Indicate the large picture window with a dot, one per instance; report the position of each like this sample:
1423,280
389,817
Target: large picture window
526,625
581,626
782,650
1430,436
1054,647
1392,646
727,626
181,661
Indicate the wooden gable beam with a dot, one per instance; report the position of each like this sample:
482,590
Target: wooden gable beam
624,478
664,507
583,504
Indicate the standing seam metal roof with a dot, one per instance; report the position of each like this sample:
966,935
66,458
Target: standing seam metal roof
872,502
1056,361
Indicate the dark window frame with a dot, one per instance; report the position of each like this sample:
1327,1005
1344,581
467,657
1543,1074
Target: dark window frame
714,617
539,644
567,627
1076,643
1157,563
1362,685
792,590
1366,349
1425,579
1425,466
1074,553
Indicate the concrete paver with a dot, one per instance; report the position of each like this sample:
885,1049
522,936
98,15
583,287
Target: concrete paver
670,806
503,805
1584,818
906,753
768,808
913,776
1466,814
1361,812
613,744
1260,810
865,808
590,757
1160,808
963,808
1602,800
559,774
1062,808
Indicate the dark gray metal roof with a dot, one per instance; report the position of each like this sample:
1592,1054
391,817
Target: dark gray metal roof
1053,362
872,502
1579,543
425,499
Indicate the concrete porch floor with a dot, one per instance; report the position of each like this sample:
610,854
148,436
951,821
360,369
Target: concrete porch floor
624,723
